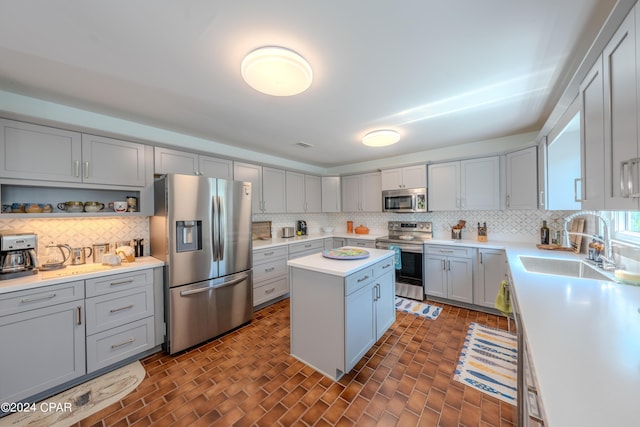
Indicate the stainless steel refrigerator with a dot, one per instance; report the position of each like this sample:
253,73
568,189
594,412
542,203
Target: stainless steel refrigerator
202,231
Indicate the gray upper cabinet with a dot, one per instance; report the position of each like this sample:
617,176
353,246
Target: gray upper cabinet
39,152
472,184
621,118
406,177
592,138
174,161
304,192
251,173
362,193
330,194
111,161
49,154
522,179
273,190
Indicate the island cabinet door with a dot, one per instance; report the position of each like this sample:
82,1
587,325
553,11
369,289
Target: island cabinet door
360,327
385,303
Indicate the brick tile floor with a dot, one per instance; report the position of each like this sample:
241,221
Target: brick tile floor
248,378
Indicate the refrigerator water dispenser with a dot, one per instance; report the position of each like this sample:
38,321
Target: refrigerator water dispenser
188,236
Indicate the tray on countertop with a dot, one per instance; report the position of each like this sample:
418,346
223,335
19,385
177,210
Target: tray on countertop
345,253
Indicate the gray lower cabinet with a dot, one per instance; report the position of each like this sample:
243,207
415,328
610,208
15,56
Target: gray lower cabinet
339,242
363,243
297,250
491,270
120,317
449,272
42,331
270,274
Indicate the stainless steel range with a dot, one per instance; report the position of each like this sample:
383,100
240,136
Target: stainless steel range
409,237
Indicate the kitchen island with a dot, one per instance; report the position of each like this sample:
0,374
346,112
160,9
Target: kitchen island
340,308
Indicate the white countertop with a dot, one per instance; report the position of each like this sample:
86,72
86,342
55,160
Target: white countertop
584,340
71,272
339,267
279,241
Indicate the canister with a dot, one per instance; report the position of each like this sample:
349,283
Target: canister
99,249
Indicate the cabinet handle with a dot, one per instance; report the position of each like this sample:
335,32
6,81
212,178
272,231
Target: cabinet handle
575,190
508,201
307,246
445,251
115,310
462,203
268,253
448,265
541,198
363,279
76,164
267,270
480,257
386,266
444,264
34,299
632,178
129,341
79,315
86,169
124,282
268,291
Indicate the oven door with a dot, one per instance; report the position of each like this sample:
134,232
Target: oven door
411,256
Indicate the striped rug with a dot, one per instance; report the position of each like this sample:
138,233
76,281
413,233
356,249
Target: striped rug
488,362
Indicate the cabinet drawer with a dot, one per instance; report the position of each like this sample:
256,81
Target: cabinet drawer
118,308
270,289
361,243
296,249
383,267
15,302
269,270
266,255
357,280
111,346
118,282
456,251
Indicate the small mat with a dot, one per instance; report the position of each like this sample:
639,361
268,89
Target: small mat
73,405
418,308
488,362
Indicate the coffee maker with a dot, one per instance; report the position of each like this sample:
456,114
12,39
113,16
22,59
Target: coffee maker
17,254
302,228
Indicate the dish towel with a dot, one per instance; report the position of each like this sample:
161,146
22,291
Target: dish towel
502,299
398,256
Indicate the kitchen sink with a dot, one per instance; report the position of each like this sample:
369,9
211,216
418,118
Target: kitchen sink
562,267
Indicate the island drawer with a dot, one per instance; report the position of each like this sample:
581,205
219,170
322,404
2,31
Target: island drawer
117,282
357,280
113,345
269,270
118,308
31,299
270,289
266,255
455,251
383,266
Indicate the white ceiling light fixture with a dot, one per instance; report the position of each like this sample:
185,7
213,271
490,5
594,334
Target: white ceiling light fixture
381,138
276,71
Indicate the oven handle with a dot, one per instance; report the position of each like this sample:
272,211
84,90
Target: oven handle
416,249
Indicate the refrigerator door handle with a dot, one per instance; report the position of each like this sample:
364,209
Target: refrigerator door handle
211,287
222,225
215,228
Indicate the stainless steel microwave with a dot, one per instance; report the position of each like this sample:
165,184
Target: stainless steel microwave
406,200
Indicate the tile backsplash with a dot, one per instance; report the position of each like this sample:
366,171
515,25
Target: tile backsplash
78,232
506,225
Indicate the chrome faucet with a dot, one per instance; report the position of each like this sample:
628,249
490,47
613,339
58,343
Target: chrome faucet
606,239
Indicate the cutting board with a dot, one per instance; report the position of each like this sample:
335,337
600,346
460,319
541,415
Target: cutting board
577,225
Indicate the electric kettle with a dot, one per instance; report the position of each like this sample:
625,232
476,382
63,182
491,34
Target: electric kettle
56,257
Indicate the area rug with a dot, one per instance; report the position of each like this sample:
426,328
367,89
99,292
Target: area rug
418,308
488,362
73,405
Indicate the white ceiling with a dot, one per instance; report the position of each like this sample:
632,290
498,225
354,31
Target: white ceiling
442,73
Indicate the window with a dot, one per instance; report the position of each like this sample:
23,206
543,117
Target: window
627,226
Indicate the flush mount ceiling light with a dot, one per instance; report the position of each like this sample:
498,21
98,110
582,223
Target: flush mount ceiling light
380,138
276,71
